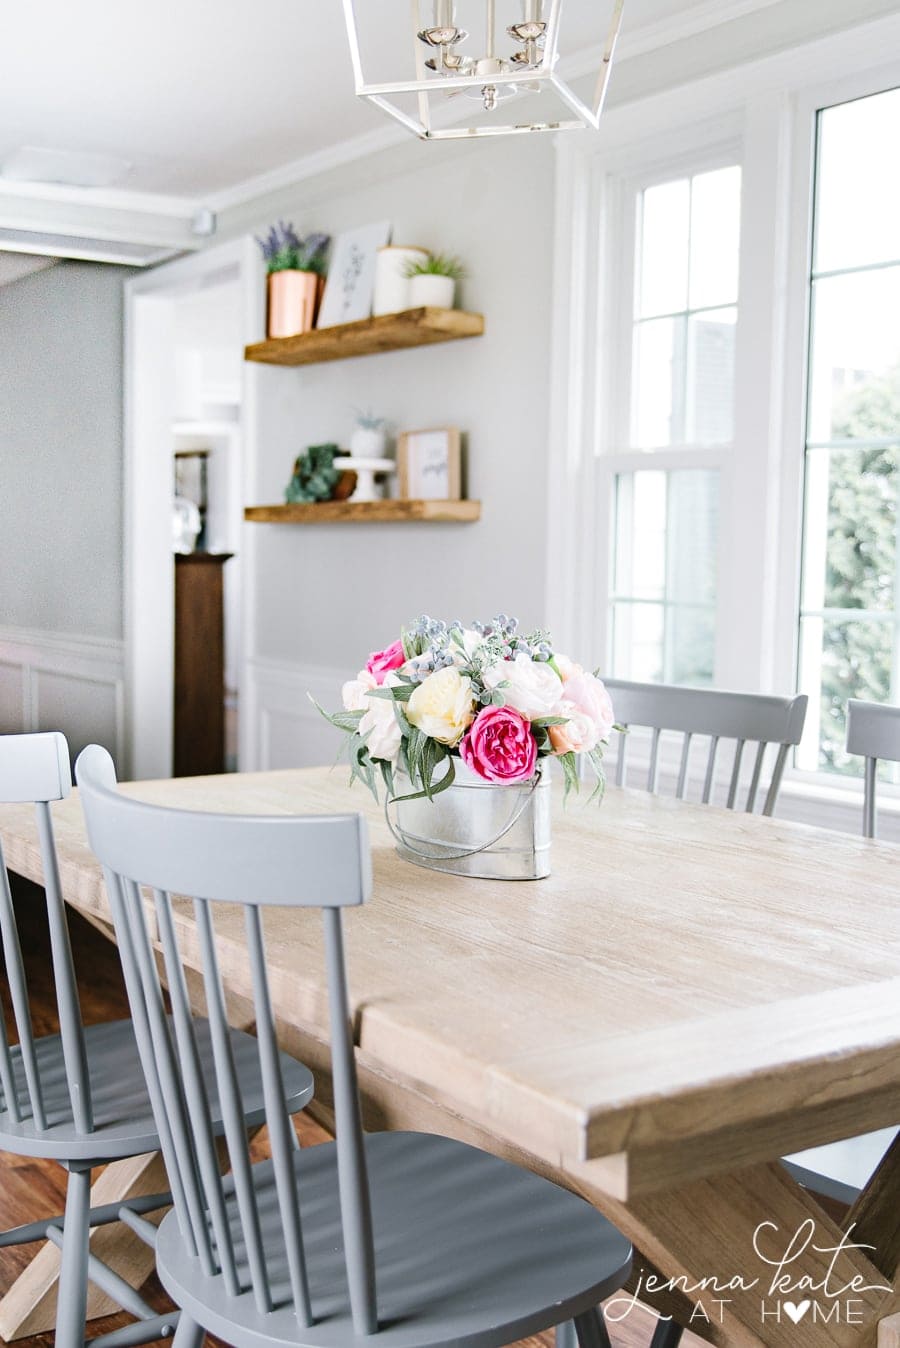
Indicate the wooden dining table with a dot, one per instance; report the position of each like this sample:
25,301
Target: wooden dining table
690,995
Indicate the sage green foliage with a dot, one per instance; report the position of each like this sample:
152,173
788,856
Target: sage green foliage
437,264
315,476
861,560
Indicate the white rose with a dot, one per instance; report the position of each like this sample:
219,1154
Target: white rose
532,686
441,706
380,727
354,693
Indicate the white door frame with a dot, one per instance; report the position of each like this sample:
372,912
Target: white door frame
149,410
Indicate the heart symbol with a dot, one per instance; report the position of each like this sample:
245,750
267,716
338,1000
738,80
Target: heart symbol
796,1312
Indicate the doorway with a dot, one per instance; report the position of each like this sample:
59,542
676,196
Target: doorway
186,324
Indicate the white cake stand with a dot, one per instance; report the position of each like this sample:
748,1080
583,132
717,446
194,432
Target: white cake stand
367,470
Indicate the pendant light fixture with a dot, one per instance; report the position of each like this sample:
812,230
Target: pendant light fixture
449,69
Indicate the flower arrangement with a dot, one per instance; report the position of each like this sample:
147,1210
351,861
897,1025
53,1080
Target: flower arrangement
435,264
284,250
498,700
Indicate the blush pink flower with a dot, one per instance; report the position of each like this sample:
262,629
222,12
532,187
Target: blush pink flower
499,746
589,696
381,663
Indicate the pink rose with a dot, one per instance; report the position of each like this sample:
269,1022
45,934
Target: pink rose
381,663
578,735
589,696
499,745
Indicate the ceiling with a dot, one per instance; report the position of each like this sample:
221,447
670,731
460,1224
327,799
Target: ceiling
197,96
206,103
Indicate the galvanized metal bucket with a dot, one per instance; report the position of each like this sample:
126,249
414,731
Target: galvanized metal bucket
475,828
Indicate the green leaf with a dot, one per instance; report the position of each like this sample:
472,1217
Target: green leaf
342,720
548,720
570,773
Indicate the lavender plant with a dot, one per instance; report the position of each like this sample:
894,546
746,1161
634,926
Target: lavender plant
284,250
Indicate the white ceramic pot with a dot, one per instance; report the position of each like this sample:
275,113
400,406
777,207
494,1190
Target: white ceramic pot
368,442
391,282
435,292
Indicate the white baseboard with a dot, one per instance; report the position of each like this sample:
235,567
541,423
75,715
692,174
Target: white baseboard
54,681
280,727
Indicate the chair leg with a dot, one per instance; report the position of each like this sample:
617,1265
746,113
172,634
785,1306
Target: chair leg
188,1334
73,1279
666,1335
591,1329
566,1336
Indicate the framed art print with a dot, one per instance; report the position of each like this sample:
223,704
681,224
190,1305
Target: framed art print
429,465
351,275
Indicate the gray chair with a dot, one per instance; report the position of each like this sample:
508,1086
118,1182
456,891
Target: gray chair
746,718
873,732
79,1097
417,1239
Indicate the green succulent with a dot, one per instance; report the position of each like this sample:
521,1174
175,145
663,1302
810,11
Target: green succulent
437,264
315,475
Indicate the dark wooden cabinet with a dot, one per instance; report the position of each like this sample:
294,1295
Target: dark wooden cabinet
199,734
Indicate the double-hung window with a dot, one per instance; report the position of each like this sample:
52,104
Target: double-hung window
849,612
675,424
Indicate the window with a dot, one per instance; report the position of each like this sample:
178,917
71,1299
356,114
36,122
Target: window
849,616
683,325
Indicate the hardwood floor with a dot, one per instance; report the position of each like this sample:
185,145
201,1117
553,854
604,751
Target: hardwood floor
30,1189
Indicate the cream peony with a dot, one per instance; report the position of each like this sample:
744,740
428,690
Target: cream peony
354,693
532,686
380,727
441,706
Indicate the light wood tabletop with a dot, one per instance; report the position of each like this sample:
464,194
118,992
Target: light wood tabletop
691,994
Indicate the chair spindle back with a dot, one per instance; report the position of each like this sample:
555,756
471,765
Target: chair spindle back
873,730
749,719
35,769
254,862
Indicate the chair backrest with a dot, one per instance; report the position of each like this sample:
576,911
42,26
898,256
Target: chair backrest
35,768
746,718
873,731
255,861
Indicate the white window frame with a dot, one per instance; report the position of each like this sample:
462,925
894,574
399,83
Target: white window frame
611,460
767,109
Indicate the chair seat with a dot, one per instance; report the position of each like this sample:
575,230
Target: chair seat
123,1122
469,1249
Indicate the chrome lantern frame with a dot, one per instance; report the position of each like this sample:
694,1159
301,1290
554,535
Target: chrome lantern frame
442,68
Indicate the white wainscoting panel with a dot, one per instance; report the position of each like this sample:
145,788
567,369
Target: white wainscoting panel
51,681
281,727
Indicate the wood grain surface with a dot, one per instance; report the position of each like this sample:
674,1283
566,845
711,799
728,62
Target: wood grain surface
365,512
684,973
369,337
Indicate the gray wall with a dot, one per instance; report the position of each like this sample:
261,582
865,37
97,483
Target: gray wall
61,451
327,594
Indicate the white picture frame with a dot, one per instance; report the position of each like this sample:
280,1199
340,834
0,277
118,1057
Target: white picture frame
429,464
350,286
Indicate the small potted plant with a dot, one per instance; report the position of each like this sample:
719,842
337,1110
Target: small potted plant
432,282
296,268
369,438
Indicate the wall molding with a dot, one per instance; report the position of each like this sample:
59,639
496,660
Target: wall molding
56,667
280,725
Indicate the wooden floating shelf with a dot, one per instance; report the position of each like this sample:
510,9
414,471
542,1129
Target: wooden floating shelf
385,512
368,337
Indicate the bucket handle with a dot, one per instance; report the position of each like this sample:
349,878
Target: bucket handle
469,851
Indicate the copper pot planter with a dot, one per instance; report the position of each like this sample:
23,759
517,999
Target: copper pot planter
293,302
